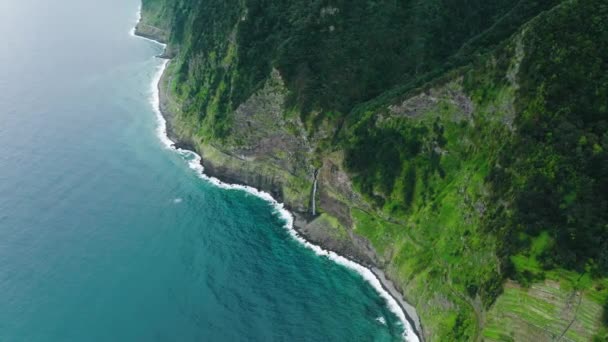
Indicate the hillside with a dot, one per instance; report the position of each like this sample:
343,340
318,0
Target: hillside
462,146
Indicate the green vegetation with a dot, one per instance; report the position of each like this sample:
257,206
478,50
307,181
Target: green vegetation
544,309
436,190
557,163
227,48
474,136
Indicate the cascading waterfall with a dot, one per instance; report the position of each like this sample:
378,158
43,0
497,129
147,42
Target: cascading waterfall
314,193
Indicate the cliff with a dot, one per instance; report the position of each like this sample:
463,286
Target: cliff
459,147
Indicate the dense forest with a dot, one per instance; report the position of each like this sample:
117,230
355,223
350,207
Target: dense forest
475,132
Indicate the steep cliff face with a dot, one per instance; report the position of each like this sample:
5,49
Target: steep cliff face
461,146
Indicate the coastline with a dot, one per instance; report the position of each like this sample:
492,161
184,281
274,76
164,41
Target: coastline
376,277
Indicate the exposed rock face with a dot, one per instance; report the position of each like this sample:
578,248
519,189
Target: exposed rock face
238,172
452,94
151,32
262,131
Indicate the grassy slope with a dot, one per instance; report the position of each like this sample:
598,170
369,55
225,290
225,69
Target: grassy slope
437,250
442,250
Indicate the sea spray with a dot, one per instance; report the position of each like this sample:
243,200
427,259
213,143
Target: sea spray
194,162
134,28
138,16
161,128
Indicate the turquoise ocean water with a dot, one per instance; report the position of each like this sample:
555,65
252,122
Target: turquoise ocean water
107,235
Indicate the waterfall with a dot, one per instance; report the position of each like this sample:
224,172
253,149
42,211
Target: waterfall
314,193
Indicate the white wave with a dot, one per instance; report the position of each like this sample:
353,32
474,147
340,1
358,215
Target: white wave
381,320
177,200
132,32
137,20
161,128
286,216
194,162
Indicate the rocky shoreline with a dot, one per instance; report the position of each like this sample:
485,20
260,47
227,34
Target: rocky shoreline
355,249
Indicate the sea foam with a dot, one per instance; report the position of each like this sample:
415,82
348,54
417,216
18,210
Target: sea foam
137,20
194,162
132,32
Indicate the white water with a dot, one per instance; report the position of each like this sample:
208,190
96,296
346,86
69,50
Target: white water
194,161
137,20
314,195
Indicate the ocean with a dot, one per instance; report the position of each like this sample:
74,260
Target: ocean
107,234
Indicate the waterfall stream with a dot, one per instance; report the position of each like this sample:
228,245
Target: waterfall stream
314,193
